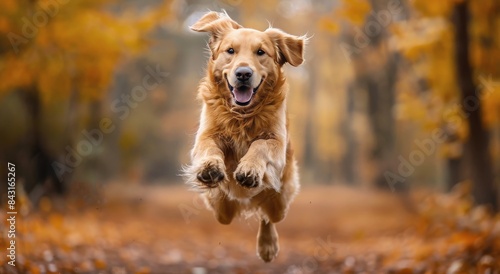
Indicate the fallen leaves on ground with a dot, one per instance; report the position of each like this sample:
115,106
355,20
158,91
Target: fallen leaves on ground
155,229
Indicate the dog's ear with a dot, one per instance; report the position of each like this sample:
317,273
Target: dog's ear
290,48
216,24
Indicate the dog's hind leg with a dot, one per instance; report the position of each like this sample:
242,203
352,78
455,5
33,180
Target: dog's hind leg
267,241
272,205
224,209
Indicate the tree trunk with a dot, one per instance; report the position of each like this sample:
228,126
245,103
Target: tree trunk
309,138
349,159
478,142
453,177
39,169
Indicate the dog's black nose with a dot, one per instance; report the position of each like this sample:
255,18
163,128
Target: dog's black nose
243,73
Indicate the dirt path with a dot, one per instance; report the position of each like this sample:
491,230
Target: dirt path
137,229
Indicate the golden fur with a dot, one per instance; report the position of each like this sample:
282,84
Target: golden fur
242,159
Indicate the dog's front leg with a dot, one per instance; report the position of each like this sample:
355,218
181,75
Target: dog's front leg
265,157
207,162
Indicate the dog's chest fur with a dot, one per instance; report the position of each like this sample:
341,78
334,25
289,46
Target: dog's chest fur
235,137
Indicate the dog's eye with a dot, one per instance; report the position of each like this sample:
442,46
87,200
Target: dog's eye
260,52
230,51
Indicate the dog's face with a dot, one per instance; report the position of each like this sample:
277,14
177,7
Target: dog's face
247,60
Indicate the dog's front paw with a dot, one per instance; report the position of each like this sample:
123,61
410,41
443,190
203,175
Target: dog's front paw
248,175
247,180
211,174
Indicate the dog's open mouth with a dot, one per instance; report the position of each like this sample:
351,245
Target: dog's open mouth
243,94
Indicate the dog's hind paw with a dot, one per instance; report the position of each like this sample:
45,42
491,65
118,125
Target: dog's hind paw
268,251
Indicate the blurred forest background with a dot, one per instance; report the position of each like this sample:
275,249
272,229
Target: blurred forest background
393,95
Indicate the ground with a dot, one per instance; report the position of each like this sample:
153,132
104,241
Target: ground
124,228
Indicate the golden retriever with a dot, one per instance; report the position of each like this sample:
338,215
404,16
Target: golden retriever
242,159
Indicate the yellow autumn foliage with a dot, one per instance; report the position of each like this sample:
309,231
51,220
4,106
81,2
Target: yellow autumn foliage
428,8
427,41
57,47
354,10
428,92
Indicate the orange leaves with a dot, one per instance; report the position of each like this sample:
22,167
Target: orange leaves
85,63
428,93
15,72
410,107
328,25
485,56
485,8
466,240
491,104
153,17
5,25
435,8
354,10
485,36
138,230
428,43
9,6
77,46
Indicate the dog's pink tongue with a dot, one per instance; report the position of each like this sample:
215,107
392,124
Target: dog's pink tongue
242,96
